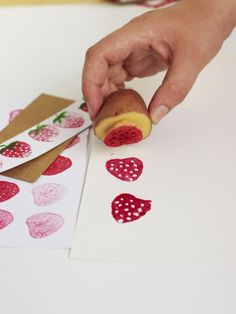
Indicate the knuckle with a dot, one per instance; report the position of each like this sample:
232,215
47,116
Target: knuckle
90,52
178,91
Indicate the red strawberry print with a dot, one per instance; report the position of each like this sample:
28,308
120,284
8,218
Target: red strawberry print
126,169
75,140
44,133
127,208
8,190
16,149
69,120
5,218
59,165
48,193
83,107
123,135
44,224
14,114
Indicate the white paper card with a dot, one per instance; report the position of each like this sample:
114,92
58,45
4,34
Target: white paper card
43,137
43,214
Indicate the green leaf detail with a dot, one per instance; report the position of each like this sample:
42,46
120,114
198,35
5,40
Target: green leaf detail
60,117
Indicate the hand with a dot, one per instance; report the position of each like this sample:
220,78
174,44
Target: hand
181,39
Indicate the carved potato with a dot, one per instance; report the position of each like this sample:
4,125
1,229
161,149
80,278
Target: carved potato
123,119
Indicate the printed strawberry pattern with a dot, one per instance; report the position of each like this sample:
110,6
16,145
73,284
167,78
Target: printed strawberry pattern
75,140
44,224
48,193
69,120
44,133
59,165
126,169
16,149
5,218
8,190
128,208
83,107
13,114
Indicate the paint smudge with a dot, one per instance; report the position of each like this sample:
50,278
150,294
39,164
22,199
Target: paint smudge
128,208
44,133
16,149
5,218
59,165
48,193
13,114
126,169
69,120
8,190
75,140
44,224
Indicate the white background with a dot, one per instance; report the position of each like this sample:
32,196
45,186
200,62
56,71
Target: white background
42,50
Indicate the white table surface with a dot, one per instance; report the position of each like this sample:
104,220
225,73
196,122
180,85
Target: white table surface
42,50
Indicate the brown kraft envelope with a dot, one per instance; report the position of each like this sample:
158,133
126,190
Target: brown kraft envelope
40,109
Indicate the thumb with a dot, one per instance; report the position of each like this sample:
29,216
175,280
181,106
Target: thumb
178,81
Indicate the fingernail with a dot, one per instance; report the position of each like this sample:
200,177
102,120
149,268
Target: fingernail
159,113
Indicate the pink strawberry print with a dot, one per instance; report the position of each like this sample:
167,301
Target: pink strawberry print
123,135
13,114
59,165
84,107
127,208
8,190
69,120
5,218
44,133
126,169
48,193
75,140
16,149
44,224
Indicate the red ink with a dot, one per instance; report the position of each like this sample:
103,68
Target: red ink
5,218
127,208
75,140
48,193
14,114
59,165
126,169
16,150
8,190
44,224
44,133
69,120
84,107
123,135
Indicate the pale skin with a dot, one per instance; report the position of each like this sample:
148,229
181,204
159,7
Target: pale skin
181,39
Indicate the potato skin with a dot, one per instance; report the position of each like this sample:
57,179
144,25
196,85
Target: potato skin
121,102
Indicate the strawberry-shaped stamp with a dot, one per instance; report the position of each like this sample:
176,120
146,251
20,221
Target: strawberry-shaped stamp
44,224
13,114
83,107
17,149
123,135
75,140
128,208
44,133
126,169
59,165
8,190
5,218
70,119
48,193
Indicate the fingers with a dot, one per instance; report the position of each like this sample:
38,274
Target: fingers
178,81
